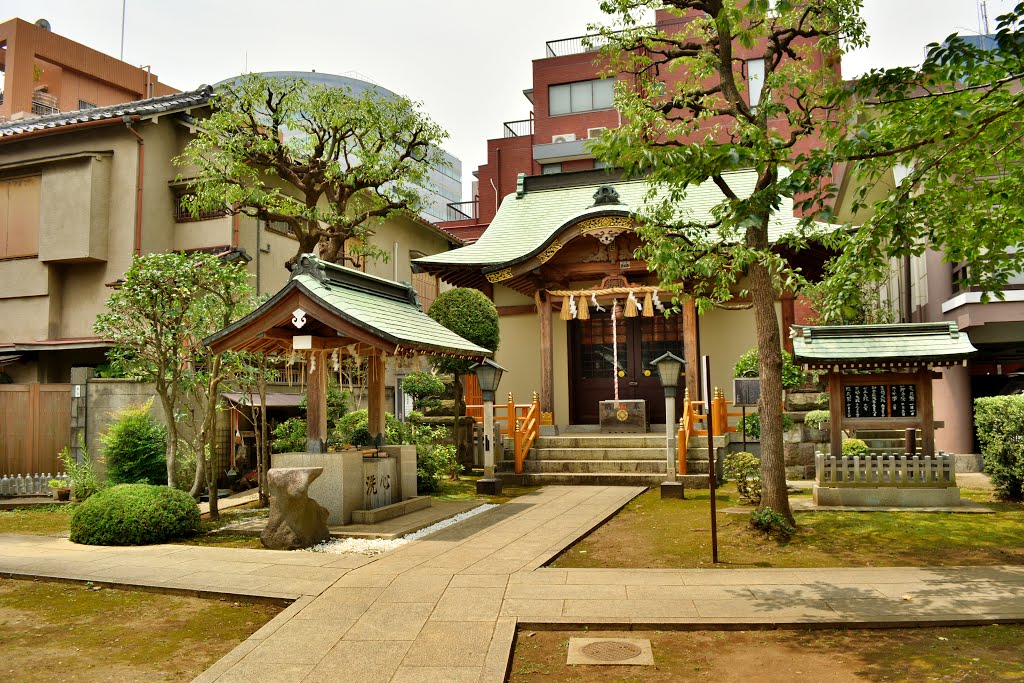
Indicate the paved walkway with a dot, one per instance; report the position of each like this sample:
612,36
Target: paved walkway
446,608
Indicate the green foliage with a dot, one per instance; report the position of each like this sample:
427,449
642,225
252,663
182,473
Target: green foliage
745,469
816,418
338,401
135,514
290,436
422,386
469,314
770,522
56,483
792,375
434,460
157,319
862,306
84,480
135,447
855,447
943,139
327,162
700,129
1000,424
353,429
752,424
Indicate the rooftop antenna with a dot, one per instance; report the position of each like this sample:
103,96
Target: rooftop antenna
124,3
983,17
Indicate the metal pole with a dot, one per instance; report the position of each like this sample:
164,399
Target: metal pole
124,4
743,423
670,437
705,363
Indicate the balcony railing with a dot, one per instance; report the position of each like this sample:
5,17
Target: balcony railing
577,45
43,104
463,211
520,128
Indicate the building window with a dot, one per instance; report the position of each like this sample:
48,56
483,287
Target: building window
280,228
183,215
19,217
82,104
426,286
571,98
548,169
755,80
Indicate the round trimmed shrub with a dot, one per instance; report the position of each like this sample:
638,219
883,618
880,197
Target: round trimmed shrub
855,447
135,514
469,314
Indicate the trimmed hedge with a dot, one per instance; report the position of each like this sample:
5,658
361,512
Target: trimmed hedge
1000,424
469,314
135,447
855,447
135,514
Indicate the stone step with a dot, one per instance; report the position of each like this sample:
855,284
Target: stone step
601,441
596,466
597,453
607,479
599,466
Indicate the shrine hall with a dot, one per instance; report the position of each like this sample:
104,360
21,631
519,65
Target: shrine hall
560,257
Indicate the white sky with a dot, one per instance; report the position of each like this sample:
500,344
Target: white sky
466,60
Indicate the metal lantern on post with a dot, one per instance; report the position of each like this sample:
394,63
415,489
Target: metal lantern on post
670,367
488,375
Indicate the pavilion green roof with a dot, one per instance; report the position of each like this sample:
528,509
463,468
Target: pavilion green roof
528,221
388,311
940,343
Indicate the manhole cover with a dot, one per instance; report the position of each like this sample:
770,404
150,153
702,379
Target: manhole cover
611,650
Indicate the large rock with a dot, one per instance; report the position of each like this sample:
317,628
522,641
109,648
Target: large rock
296,520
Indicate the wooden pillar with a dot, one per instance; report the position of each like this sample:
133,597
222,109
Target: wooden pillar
926,411
788,318
375,395
691,348
547,356
835,410
316,405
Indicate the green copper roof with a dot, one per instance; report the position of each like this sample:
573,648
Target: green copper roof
526,222
915,342
385,309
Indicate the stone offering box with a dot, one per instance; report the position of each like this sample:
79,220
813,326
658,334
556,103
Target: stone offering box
628,416
353,484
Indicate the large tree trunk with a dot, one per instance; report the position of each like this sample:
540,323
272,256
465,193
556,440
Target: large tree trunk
769,354
172,437
458,430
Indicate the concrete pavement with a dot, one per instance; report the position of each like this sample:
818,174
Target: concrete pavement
446,608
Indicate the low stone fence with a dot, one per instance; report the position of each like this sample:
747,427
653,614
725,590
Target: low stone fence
889,480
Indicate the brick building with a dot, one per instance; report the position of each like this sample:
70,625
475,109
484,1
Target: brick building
45,73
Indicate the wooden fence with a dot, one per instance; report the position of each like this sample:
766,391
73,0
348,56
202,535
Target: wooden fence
35,425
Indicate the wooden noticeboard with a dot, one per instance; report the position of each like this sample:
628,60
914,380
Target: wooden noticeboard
886,400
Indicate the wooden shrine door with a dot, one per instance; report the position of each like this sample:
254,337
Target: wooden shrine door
641,340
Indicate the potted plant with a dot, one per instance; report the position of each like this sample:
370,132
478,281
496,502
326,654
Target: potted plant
61,489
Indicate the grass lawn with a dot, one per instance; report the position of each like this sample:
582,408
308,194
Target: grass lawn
465,489
982,653
39,520
655,533
70,632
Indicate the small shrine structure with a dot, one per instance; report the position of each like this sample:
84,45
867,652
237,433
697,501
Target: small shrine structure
880,376
324,314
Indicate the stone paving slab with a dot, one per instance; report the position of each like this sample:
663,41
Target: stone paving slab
446,608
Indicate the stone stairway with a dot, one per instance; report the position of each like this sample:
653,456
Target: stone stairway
604,460
886,440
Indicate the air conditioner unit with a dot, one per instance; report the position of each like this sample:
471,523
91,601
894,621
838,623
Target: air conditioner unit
564,137
595,132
